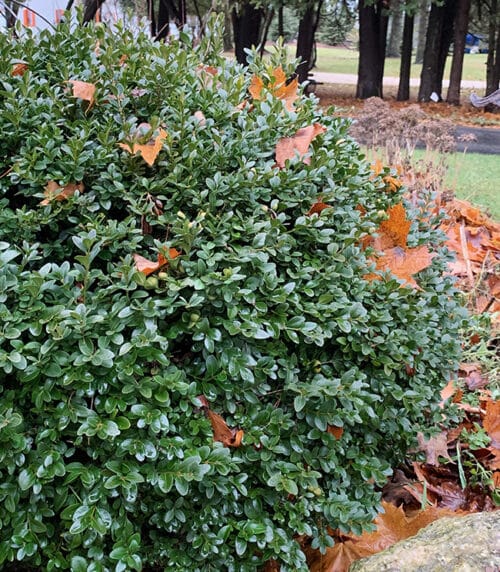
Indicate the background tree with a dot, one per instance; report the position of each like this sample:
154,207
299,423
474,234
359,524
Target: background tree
336,21
493,60
422,17
372,42
10,11
406,53
438,40
305,52
395,29
247,24
460,32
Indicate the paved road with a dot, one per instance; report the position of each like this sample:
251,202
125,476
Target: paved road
487,140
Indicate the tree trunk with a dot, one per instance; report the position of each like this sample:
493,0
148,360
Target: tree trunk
90,10
396,31
439,35
493,59
10,12
372,40
423,16
305,43
162,21
461,25
406,50
247,21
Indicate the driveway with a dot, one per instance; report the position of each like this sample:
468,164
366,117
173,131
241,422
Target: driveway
487,140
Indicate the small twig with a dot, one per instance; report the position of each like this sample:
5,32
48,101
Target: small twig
465,254
5,173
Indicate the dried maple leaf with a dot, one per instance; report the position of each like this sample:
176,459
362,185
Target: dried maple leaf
394,231
392,526
288,147
434,447
147,266
19,69
403,263
83,90
55,192
229,437
148,151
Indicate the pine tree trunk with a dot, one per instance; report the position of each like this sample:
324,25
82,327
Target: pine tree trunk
461,25
406,51
423,16
372,40
247,21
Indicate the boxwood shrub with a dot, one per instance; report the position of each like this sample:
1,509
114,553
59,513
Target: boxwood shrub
255,384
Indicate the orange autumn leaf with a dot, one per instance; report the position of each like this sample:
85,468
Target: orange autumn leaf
148,151
147,266
256,87
392,184
394,231
83,90
280,87
19,69
55,192
288,147
377,167
403,263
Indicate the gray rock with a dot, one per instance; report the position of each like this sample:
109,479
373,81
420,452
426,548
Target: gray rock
461,544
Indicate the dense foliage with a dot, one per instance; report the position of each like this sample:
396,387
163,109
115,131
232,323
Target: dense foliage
112,455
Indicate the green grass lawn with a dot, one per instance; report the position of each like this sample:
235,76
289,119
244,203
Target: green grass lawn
476,178
343,60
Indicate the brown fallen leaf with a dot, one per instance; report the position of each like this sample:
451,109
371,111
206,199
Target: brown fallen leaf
337,432
434,447
403,263
83,90
392,526
229,437
55,192
318,207
148,151
19,69
288,147
491,422
148,267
